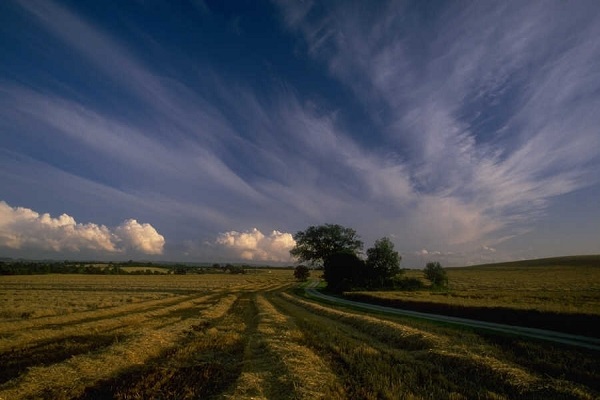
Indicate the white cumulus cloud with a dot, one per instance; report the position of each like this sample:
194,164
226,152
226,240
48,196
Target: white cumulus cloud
140,237
254,245
23,228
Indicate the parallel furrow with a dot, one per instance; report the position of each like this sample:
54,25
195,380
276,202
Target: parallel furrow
69,379
373,364
83,316
277,365
108,322
202,364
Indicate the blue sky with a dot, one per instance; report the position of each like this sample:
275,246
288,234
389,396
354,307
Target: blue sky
467,132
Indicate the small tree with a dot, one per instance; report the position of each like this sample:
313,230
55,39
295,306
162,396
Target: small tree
436,275
317,243
383,263
301,273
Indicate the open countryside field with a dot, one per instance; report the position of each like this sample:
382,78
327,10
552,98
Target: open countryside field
543,293
254,336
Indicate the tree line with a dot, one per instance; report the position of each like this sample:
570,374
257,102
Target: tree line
59,267
22,267
337,251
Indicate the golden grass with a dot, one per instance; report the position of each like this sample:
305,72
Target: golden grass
456,363
244,337
123,321
69,378
27,296
561,289
133,283
399,334
19,304
148,313
204,361
277,365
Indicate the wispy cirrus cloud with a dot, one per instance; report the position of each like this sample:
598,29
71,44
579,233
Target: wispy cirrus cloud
101,138
468,101
470,119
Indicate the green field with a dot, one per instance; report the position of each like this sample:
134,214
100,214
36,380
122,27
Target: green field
254,336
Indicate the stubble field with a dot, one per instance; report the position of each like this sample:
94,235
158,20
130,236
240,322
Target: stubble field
557,293
222,336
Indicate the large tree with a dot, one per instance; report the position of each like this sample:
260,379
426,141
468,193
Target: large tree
317,243
383,263
343,271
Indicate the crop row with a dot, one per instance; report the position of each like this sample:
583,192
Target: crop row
254,340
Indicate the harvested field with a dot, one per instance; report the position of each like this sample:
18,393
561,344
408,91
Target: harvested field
558,294
222,336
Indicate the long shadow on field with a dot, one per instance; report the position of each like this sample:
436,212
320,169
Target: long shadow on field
190,311
555,360
17,361
578,324
202,365
371,366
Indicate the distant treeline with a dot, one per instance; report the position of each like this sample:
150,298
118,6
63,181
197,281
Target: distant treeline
125,268
41,267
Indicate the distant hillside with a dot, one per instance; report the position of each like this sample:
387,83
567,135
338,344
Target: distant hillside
567,261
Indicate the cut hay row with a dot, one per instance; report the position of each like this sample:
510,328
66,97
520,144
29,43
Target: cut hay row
397,334
55,312
30,304
364,371
373,366
115,284
74,317
68,379
277,365
262,286
126,318
248,339
203,364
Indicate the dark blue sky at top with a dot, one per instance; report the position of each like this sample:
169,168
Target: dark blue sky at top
456,129
243,42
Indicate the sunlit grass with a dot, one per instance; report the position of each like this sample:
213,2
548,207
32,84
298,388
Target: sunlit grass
455,363
552,288
228,336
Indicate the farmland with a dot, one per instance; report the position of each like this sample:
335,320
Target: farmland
557,293
254,336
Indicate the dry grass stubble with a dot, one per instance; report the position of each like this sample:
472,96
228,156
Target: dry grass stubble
449,366
277,365
69,379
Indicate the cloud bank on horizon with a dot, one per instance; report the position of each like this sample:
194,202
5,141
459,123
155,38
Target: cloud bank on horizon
466,132
253,245
24,229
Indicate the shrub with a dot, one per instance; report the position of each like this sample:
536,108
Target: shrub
436,275
301,273
401,283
